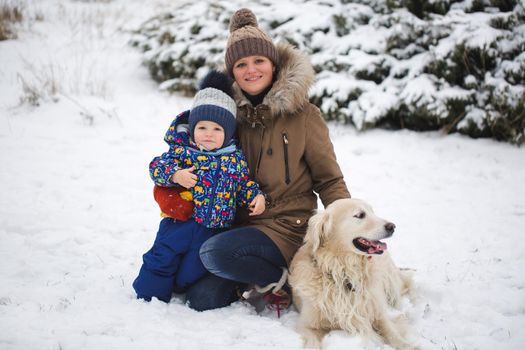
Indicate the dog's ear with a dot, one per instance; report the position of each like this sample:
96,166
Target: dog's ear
318,228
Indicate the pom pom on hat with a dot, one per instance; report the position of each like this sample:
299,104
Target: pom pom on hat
243,18
217,80
214,102
247,39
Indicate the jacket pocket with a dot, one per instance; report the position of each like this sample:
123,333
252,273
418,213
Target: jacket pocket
286,163
294,224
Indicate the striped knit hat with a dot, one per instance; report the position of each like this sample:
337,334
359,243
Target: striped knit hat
214,103
246,39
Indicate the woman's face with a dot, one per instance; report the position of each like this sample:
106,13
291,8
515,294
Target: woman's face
253,73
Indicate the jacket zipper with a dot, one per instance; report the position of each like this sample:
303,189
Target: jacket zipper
259,157
286,165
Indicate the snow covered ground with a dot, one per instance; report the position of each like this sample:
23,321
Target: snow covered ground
77,213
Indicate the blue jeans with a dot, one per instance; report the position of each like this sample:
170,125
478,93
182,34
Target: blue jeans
173,263
235,258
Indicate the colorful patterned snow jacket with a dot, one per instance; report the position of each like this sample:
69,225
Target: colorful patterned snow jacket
222,183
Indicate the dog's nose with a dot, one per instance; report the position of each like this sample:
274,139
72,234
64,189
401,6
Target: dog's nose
390,227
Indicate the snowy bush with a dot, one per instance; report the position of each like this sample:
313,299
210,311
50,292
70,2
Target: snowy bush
455,66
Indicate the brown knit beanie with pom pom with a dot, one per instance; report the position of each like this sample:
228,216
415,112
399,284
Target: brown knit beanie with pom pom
246,39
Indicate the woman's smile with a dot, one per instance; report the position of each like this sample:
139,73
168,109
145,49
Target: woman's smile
253,78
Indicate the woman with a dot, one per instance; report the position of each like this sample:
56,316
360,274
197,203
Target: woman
290,155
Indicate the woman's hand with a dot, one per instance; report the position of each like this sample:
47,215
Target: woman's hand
258,205
185,177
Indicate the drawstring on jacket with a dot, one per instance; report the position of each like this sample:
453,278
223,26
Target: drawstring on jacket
274,294
276,285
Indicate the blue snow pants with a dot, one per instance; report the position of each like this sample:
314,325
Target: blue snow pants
173,263
235,259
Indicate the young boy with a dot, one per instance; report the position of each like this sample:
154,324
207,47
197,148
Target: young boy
204,159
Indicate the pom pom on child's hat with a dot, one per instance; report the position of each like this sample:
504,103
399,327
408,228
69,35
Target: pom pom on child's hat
214,102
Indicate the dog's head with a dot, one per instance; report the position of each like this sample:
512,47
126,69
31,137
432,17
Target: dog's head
348,225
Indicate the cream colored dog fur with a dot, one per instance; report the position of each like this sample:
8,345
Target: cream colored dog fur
342,277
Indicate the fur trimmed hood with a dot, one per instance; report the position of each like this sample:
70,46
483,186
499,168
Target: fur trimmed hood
289,93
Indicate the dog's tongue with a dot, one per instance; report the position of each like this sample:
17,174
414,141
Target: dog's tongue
371,247
376,247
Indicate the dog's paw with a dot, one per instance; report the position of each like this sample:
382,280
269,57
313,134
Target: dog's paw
312,342
311,339
405,345
410,347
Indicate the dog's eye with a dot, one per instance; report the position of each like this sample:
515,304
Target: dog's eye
360,215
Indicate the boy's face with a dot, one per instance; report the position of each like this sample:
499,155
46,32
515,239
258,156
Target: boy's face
208,134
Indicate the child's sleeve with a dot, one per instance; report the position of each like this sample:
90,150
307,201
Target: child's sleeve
247,189
162,168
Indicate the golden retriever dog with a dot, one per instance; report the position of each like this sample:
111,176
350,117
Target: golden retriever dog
343,278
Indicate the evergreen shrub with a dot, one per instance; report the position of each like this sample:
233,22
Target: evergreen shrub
450,65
